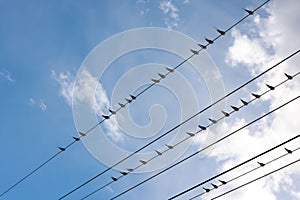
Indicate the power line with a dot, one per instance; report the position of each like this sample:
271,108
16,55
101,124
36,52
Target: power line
208,146
190,135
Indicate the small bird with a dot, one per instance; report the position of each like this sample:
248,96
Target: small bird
206,189
128,100
82,134
250,12
270,87
112,112
194,52
133,97
256,95
212,120
169,69
223,182
190,134
288,76
261,164
113,178
225,113
155,80
209,41
202,127
124,173
244,102
130,169
158,153
76,138
221,32
169,146
235,108
288,150
215,186
105,116
62,149
202,46
143,162
161,75
121,105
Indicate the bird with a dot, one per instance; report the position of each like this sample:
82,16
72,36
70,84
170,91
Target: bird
155,80
169,69
113,178
250,12
194,52
212,120
133,97
121,105
288,150
128,100
223,182
161,75
206,189
221,32
235,108
256,95
143,162
288,76
158,153
190,134
124,173
209,41
225,113
215,186
105,116
202,46
244,102
130,169
270,87
82,134
202,127
169,146
261,164
112,112
62,149
76,138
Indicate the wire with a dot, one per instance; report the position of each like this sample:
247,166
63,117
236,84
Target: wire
208,146
292,163
190,135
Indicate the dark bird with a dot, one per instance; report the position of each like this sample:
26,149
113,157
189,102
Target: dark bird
194,52
62,149
235,108
169,69
202,46
169,146
124,173
209,41
105,116
158,153
155,80
221,32
270,87
112,112
128,100
244,102
225,113
223,182
161,75
250,12
212,120
121,105
130,169
206,189
82,134
143,162
288,76
190,134
76,138
113,178
261,164
215,186
256,95
133,97
202,127
289,151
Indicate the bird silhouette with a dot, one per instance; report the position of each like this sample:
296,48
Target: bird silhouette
130,169
161,75
133,97
250,12
169,69
155,80
194,52
223,182
212,120
190,134
225,113
158,153
76,138
206,189
82,134
289,151
256,95
112,112
62,149
235,108
202,46
261,164
270,87
128,100
105,116
288,76
121,105
221,32
169,146
209,41
143,162
124,173
113,178
202,127
244,102
215,186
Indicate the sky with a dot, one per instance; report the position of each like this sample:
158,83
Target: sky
45,53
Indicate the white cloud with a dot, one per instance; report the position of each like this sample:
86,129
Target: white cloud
43,106
7,76
171,13
41,103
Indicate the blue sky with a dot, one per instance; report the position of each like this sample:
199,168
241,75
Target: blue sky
43,44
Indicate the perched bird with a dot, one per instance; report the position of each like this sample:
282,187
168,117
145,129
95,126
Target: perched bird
235,108
202,127
124,173
225,113
212,120
261,164
112,112
121,105
215,186
113,178
244,102
105,116
133,97
289,151
221,32
270,87
62,149
190,134
288,76
202,46
76,138
169,146
194,52
223,182
158,153
155,80
130,169
209,41
256,95
143,162
161,75
250,12
128,100
169,69
82,134
206,189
